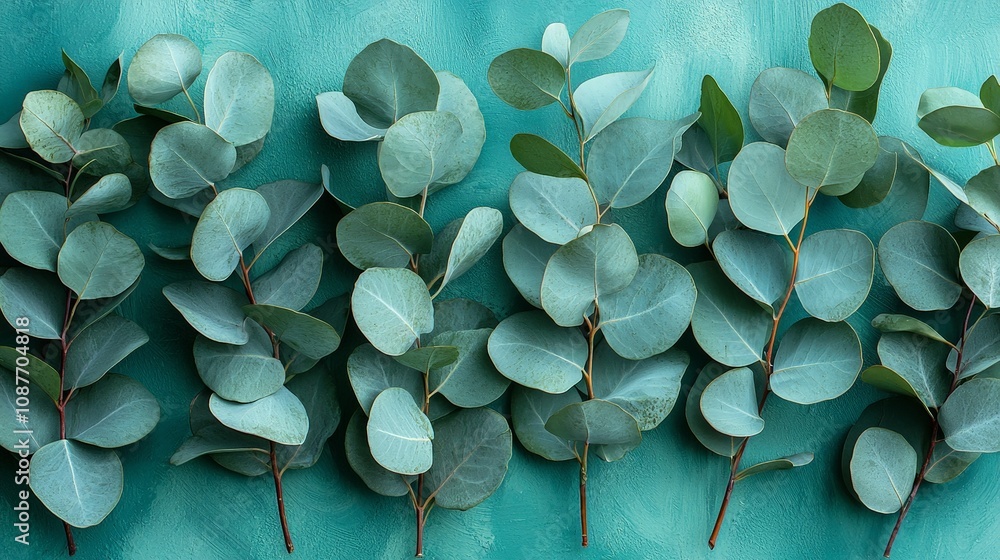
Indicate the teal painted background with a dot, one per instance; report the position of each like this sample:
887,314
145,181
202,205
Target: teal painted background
658,502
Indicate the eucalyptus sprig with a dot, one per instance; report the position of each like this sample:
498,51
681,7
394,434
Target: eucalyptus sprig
594,367
949,414
270,405
750,205
425,358
76,271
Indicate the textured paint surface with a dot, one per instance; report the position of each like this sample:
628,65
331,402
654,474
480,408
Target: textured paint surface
660,501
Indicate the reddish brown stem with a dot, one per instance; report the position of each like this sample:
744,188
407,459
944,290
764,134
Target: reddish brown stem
420,532
583,495
281,500
70,543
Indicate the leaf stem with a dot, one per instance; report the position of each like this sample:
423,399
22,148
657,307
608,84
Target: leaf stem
63,348
197,115
935,428
768,364
583,495
281,500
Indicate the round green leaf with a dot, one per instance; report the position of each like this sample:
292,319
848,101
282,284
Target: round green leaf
596,264
595,421
756,263
895,171
100,348
278,417
216,440
460,245
456,98
115,411
185,158
372,372
890,323
36,295
303,333
920,260
599,36
721,121
530,350
471,451
240,373
526,79
780,98
970,418
392,308
646,389
472,380
982,348
692,202
33,226
340,119
538,155
418,150
101,151
728,326
816,361
843,48
387,80
98,261
110,193
229,224
865,102
980,267
984,200
359,456
946,463
729,404
524,258
784,463
762,194
44,376
316,389
399,434
294,281
213,310
955,117
288,201
460,314
43,422
835,273
239,98
556,42
920,364
883,467
77,483
530,410
652,312
600,101
383,234
163,67
556,209
631,158
712,439
426,358
52,124
830,147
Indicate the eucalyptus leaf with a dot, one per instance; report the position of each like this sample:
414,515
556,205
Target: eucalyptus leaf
843,48
879,180
471,451
40,428
37,370
340,119
596,264
359,456
392,308
816,361
163,66
524,258
461,244
288,201
426,358
599,36
865,102
883,467
970,418
317,392
278,417
920,363
52,124
729,404
239,98
217,439
418,151
115,411
762,194
631,158
110,193
530,350
294,281
471,380
830,147
756,263
186,158
780,98
728,325
37,295
98,261
95,310
954,117
372,372
240,373
920,260
76,83
835,273
540,156
980,269
383,234
303,333
981,350
229,224
100,348
526,79
460,314
647,389
387,81
890,323
399,434
784,463
101,151
33,227
946,463
215,311
600,101
78,483
981,190
650,314
692,203
556,43
456,98
11,135
530,410
720,121
556,209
